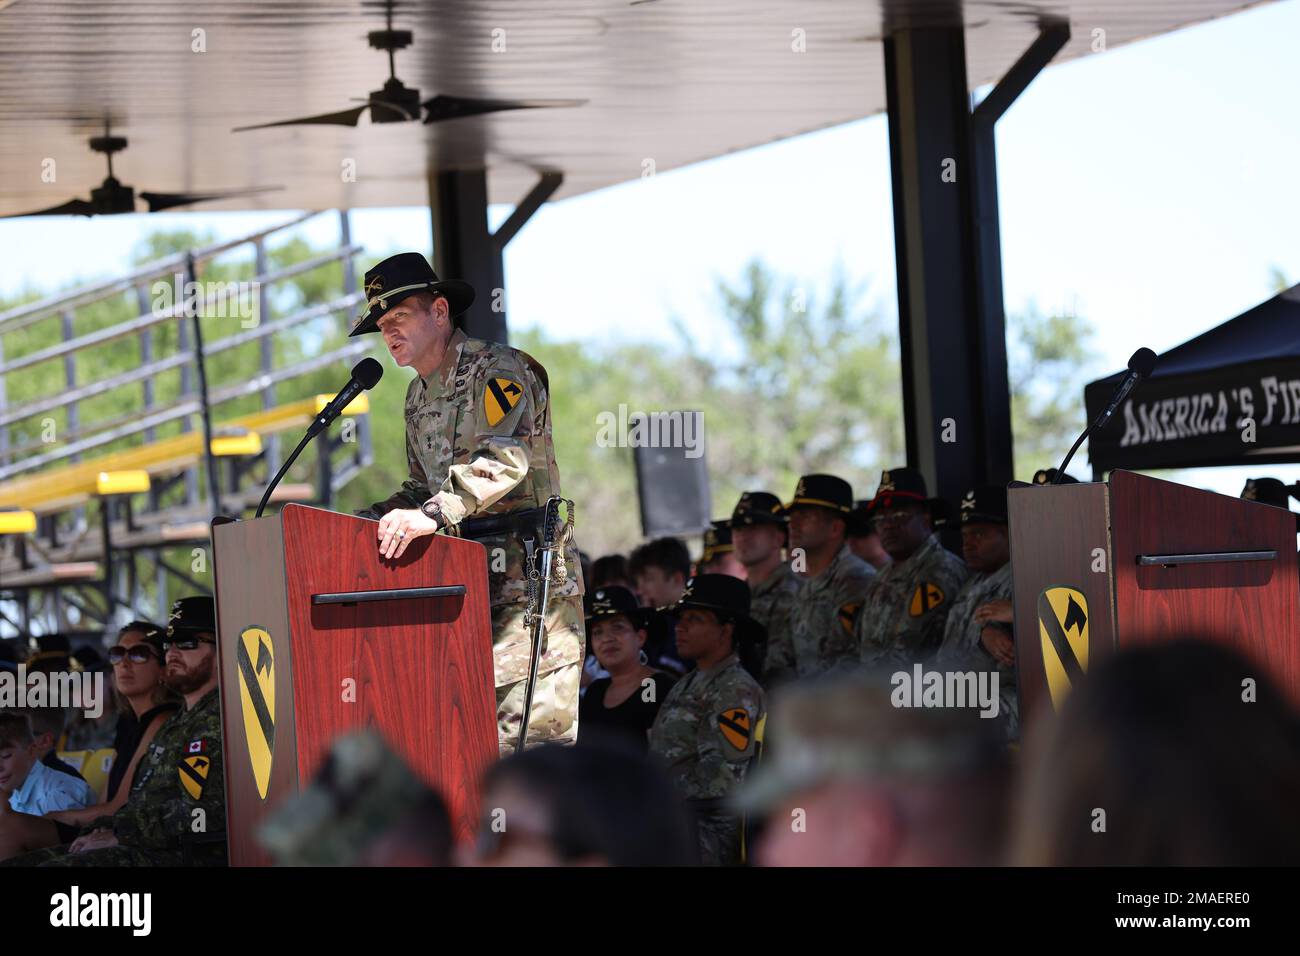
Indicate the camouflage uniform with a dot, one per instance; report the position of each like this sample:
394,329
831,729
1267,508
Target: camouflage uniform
704,731
773,604
907,606
181,772
962,650
821,634
478,442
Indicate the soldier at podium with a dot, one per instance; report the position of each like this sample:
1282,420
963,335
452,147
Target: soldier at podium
482,466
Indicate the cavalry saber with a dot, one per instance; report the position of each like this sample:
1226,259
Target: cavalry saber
543,592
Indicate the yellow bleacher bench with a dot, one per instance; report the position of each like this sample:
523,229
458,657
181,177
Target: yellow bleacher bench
57,489
226,446
122,482
17,522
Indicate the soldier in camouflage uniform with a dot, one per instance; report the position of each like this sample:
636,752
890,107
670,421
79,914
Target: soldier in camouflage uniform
970,637
833,583
482,462
704,731
175,813
758,532
907,604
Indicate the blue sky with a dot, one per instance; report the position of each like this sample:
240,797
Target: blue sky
1149,188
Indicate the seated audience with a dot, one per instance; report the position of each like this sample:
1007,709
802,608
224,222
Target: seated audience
833,583
975,638
660,569
627,700
705,730
907,603
609,570
180,777
30,789
758,529
144,702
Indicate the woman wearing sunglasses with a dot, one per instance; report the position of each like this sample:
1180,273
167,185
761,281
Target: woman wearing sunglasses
144,704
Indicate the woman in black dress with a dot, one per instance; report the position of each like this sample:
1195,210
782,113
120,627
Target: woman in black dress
625,703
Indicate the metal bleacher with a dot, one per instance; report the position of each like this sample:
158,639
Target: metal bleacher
105,517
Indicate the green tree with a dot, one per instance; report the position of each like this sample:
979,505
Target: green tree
1049,359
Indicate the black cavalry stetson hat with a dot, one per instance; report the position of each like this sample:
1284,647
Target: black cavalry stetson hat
192,615
902,486
721,593
397,277
822,491
613,600
717,540
985,504
758,507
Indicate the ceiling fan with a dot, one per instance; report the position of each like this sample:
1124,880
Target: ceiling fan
399,103
111,197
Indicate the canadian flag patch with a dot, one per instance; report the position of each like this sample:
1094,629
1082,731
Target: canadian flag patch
197,746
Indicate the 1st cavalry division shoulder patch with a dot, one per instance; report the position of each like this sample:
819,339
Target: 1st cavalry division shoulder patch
500,396
926,597
194,774
848,615
1063,633
734,724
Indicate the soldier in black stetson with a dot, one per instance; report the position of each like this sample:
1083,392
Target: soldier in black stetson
832,582
758,530
624,703
979,634
908,602
705,730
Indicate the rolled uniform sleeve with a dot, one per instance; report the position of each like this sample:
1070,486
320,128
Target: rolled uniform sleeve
506,403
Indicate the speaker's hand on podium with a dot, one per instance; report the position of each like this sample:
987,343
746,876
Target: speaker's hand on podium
399,528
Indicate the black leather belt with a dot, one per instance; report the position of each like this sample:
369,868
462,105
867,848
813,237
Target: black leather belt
515,521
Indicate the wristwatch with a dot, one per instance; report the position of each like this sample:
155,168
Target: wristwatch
433,510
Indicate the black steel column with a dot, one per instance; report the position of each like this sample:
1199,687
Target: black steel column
464,249
934,235
991,345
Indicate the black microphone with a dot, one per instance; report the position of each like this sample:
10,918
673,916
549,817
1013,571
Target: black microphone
1140,365
364,376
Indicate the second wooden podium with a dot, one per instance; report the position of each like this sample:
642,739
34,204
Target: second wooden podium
1103,566
319,636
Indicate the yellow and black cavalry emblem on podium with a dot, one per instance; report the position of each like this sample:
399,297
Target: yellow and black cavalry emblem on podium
256,659
1063,632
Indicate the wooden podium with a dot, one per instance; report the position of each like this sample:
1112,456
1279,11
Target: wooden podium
320,636
1106,565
